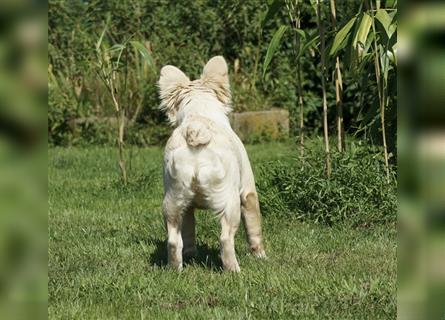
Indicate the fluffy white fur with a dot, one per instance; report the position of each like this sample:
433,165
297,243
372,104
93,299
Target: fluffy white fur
205,164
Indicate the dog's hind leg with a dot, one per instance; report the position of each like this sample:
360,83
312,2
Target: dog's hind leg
173,222
250,209
229,225
188,232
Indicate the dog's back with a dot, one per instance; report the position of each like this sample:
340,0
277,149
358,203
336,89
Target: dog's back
202,165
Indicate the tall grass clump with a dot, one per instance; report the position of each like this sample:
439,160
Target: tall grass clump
357,194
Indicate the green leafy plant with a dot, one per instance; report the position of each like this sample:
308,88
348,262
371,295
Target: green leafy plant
370,37
303,42
366,38
112,68
233,28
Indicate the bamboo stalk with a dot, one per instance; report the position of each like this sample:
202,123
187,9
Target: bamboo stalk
300,91
291,8
341,144
121,145
323,87
301,104
120,115
381,93
109,76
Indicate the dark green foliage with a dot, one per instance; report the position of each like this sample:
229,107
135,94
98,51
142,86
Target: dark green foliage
186,34
357,193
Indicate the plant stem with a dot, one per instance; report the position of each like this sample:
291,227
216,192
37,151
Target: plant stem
381,93
120,116
300,91
296,22
255,67
338,90
120,142
323,87
341,144
301,104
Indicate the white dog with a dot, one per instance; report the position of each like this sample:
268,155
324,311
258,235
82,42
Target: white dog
205,164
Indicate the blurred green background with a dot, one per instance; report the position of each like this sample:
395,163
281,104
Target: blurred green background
37,76
23,160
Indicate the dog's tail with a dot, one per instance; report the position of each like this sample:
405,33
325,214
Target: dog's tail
197,133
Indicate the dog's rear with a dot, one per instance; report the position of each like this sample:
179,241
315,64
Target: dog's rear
205,164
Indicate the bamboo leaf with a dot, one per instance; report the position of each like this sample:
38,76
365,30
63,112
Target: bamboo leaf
367,45
362,32
273,46
116,47
273,8
385,20
99,41
384,62
391,3
301,38
301,33
309,43
122,48
341,36
145,54
314,5
392,54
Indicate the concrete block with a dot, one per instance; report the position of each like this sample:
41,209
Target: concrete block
261,125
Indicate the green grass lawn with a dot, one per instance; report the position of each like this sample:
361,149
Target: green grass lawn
107,253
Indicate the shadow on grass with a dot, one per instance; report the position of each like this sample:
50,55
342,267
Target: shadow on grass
206,256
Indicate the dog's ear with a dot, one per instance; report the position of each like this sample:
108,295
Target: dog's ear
170,81
216,77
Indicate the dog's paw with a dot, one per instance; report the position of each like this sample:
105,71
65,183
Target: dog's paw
260,254
234,267
258,251
177,268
